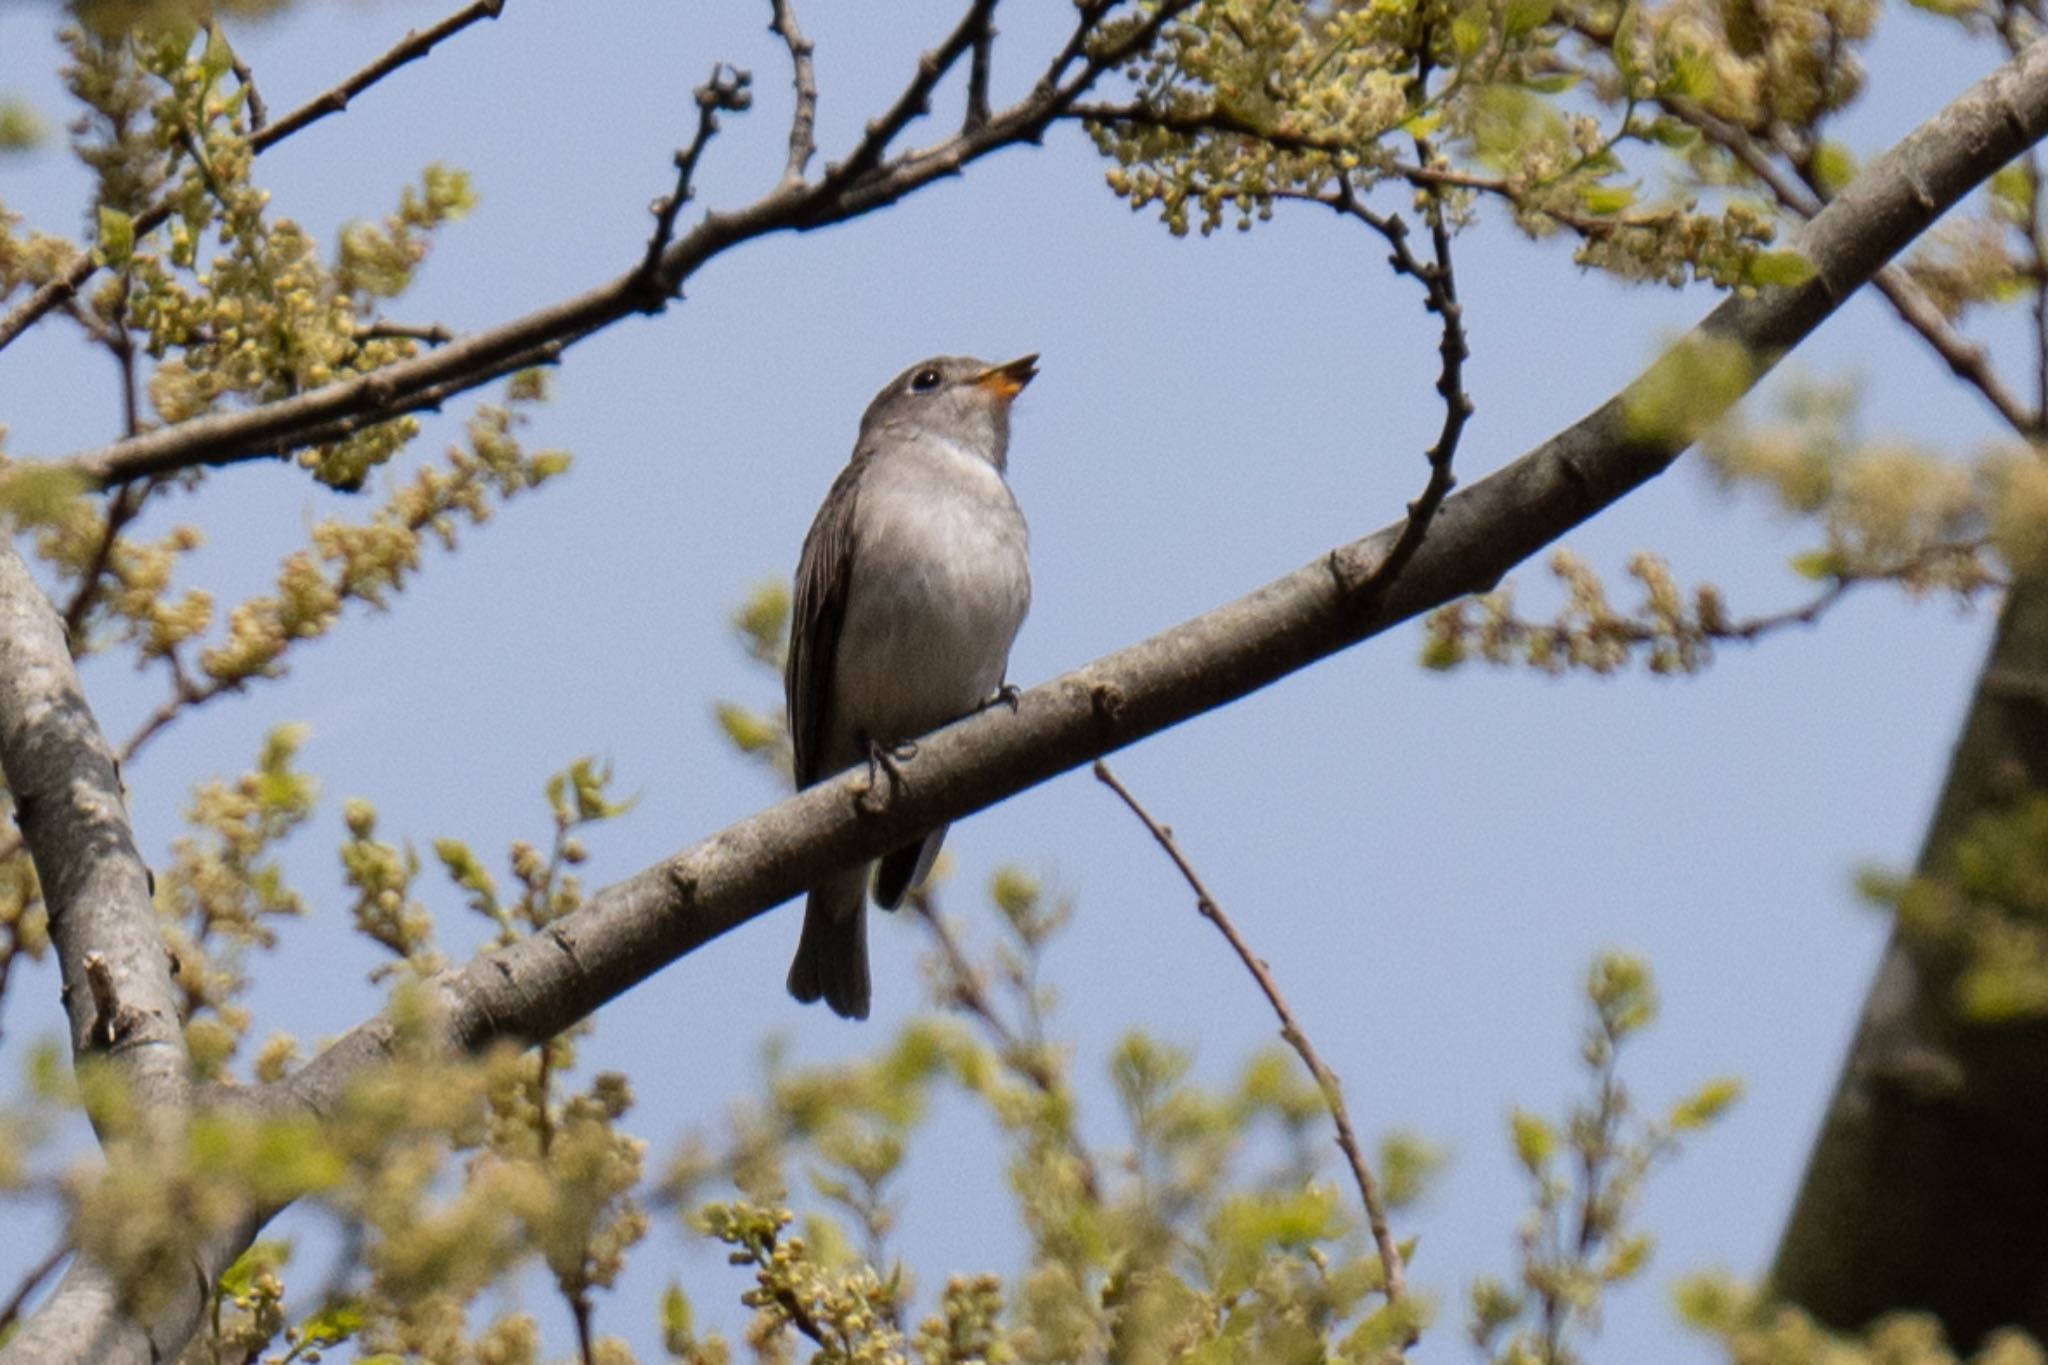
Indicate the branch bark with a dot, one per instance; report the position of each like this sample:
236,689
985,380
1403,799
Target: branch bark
532,989
118,993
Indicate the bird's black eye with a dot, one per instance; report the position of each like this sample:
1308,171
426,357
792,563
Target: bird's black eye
925,380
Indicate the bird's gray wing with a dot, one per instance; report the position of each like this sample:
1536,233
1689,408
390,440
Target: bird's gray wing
822,576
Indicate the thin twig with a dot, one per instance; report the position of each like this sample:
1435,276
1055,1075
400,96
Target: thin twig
1290,1030
259,114
184,694
10,1312
978,70
915,100
803,119
126,502
415,45
729,88
1512,631
433,334
1440,296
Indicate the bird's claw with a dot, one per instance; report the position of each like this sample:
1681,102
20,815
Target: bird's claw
1009,694
885,760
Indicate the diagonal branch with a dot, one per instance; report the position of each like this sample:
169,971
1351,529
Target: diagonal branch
415,45
1395,1282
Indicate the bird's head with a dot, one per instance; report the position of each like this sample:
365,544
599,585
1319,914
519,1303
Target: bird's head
964,400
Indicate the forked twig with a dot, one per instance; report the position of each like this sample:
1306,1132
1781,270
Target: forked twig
729,89
1290,1031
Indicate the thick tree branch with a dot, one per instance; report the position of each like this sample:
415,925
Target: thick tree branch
530,990
117,980
67,793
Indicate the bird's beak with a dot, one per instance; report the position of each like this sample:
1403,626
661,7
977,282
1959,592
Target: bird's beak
1007,380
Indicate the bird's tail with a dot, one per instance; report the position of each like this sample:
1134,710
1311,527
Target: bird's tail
832,956
900,870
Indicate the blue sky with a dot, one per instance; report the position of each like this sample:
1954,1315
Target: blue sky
1427,862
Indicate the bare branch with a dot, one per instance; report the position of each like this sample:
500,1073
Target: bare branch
415,45
729,89
434,334
1396,1281
978,69
914,102
803,120
1440,296
10,1312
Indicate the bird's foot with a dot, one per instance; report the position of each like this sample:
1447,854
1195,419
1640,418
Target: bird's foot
885,760
1009,694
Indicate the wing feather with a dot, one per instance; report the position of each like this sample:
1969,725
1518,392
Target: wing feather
823,573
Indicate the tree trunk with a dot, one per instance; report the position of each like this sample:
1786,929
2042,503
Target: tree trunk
1928,1185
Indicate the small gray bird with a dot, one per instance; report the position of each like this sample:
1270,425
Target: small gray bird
914,579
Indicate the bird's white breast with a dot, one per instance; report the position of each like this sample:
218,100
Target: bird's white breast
940,584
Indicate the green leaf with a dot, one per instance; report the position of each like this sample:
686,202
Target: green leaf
1422,125
1818,565
1525,16
675,1318
218,59
20,128
332,1325
1669,132
1606,199
116,236
1689,388
1535,1141
1784,267
269,1254
1469,30
1705,1104
1834,166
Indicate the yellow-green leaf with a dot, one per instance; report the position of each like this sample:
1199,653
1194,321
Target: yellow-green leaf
116,236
